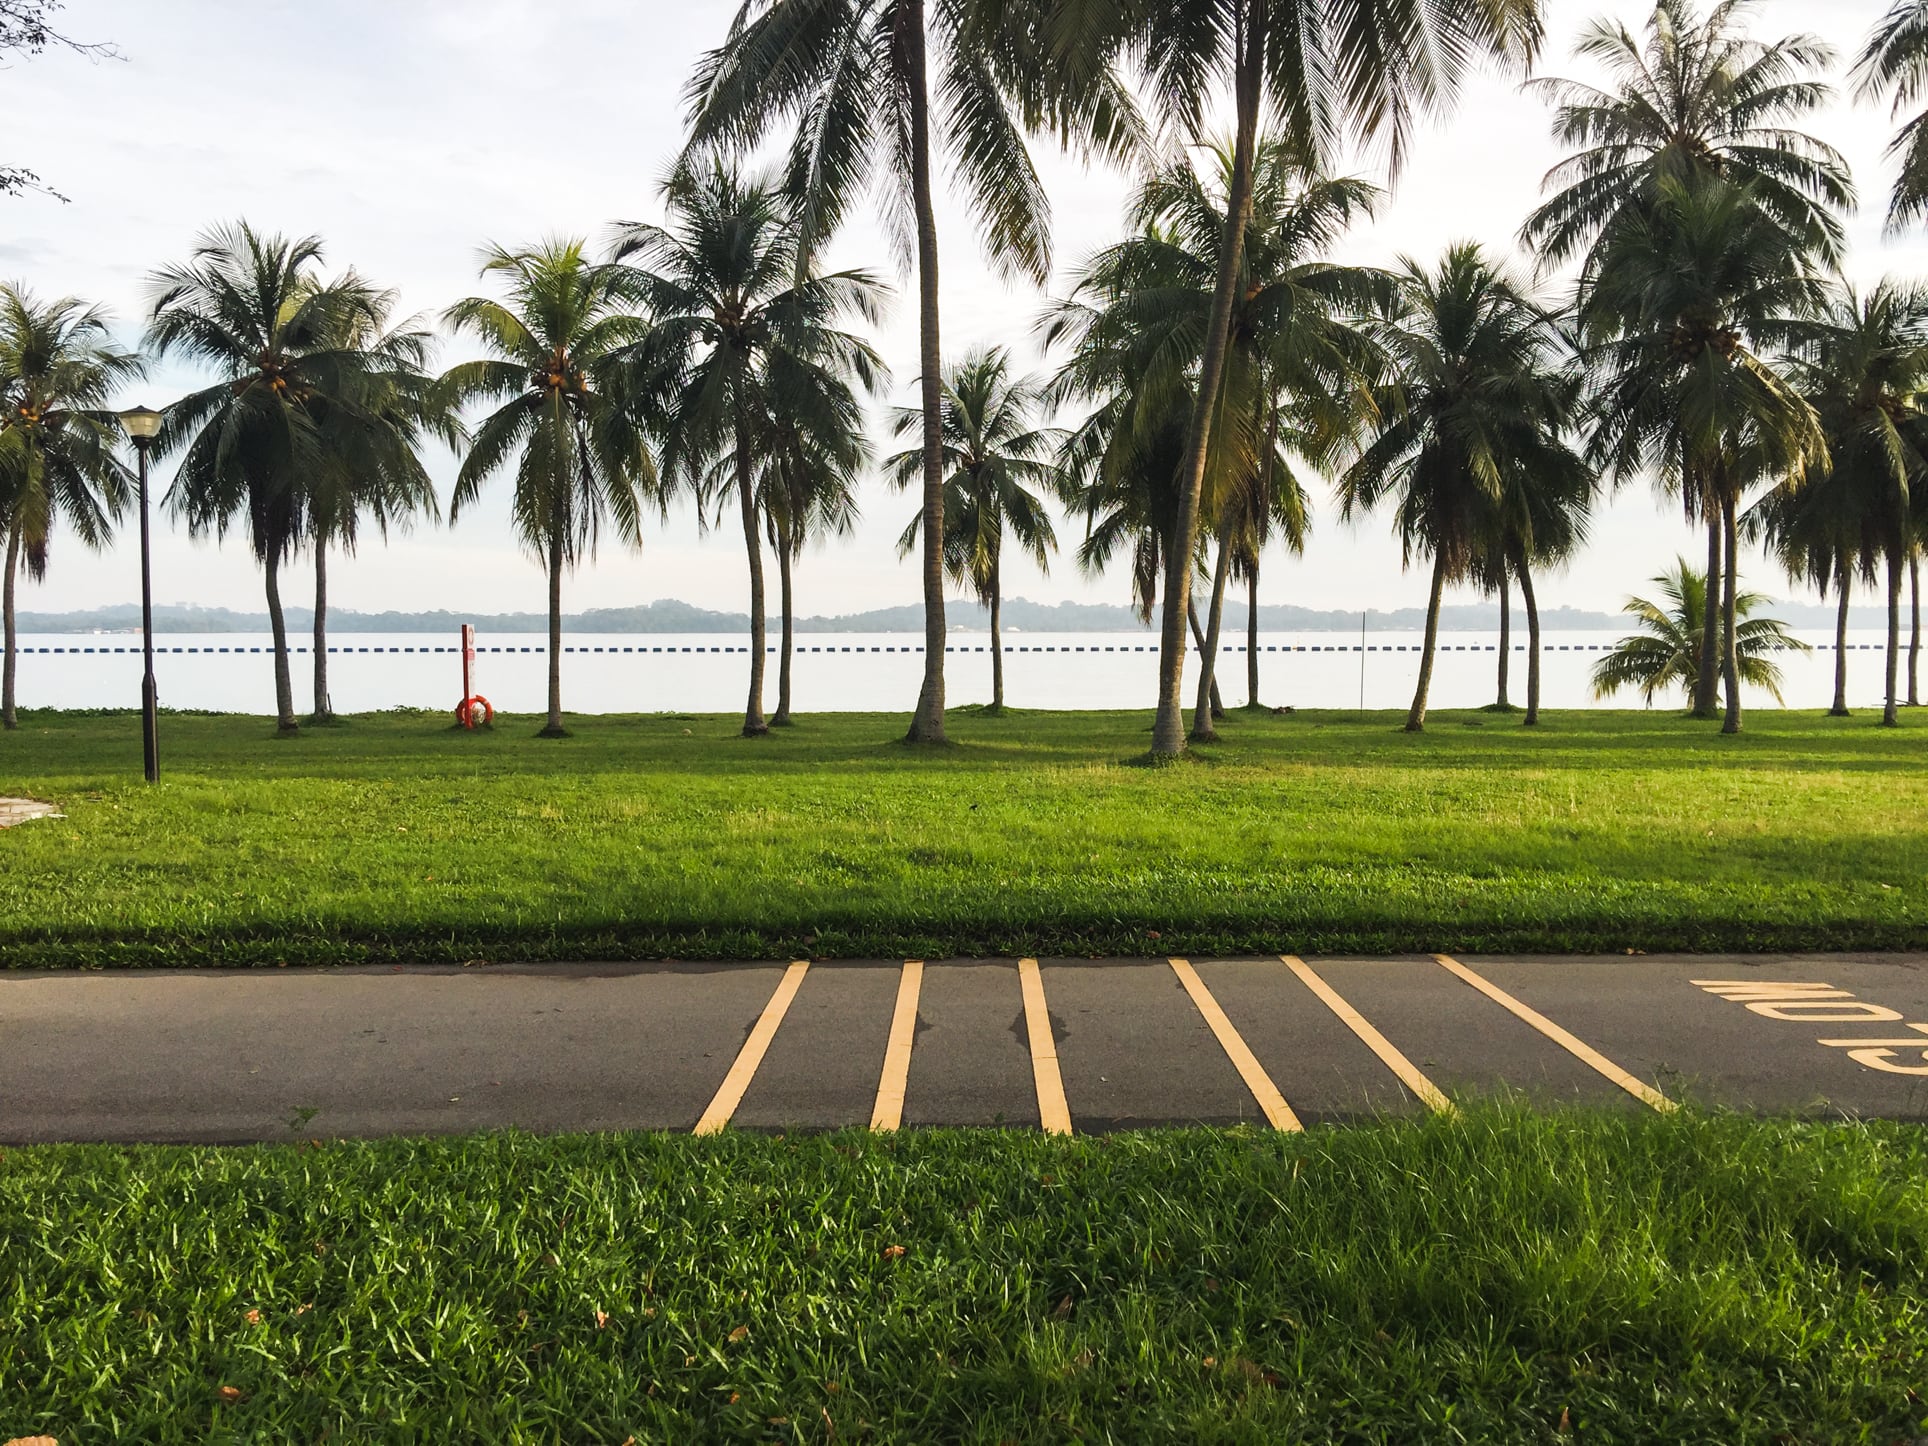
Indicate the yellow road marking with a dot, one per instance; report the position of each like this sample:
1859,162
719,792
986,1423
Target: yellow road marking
1583,1052
1408,1073
1233,1043
889,1111
1054,1113
730,1094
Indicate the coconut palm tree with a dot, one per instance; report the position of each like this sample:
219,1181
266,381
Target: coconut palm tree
1474,396
1864,362
58,367
254,446
1821,535
1274,503
876,88
1893,66
1665,652
1323,72
568,410
741,333
997,460
1693,99
1687,302
1539,522
372,435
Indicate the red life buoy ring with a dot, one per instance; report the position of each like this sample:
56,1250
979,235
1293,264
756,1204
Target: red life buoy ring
467,711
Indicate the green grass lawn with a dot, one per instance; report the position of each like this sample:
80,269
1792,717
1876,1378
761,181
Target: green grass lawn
1500,1278
396,837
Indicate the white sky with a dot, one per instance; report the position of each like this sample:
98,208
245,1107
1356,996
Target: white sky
408,134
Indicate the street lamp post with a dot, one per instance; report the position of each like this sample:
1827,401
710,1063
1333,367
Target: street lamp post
142,425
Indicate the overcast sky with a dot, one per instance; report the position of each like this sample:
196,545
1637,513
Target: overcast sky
408,134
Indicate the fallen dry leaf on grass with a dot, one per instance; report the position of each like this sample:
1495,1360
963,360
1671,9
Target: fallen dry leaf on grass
602,1319
253,1317
229,1393
893,1252
739,1333
32,1441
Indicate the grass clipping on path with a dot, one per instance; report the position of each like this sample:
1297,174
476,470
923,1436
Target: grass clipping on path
399,838
1503,1277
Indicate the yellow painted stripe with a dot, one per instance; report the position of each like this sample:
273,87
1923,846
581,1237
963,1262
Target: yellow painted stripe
730,1094
1233,1043
888,1113
1054,1113
1580,1050
1408,1073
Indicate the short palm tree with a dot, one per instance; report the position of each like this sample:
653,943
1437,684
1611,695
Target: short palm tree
567,410
877,89
1474,399
58,368
1665,652
998,461
743,332
287,349
1893,66
1821,535
1694,99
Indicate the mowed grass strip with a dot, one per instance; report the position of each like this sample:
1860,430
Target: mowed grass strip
397,837
1502,1277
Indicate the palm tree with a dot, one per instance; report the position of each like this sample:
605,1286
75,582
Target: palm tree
1696,100
1324,72
1274,503
741,333
58,367
1665,653
1475,396
563,375
257,443
856,77
1820,534
1864,360
1893,66
1540,521
372,436
995,454
1687,297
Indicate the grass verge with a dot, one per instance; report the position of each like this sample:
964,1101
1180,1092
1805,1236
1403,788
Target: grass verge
399,838
1507,1277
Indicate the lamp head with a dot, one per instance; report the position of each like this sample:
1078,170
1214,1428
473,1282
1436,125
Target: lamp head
143,424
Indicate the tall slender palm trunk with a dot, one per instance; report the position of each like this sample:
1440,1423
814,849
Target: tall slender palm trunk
1840,706
1252,635
1202,711
9,715
1730,657
1890,712
927,723
553,728
1198,641
1416,717
754,725
997,634
1168,729
786,602
1525,572
1914,631
324,705
1506,642
284,688
1706,680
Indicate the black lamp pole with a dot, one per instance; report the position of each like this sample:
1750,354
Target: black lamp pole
142,424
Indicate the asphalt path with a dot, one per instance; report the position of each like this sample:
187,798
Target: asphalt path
1084,1045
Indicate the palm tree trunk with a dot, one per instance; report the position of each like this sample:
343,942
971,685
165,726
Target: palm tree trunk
1204,711
1840,708
1914,631
1890,715
927,724
1532,642
1198,638
8,714
553,728
753,724
1506,642
324,705
1705,681
1252,635
1416,718
997,635
1730,657
1168,729
786,602
284,688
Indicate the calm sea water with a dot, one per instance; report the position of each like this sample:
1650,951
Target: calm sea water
609,673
